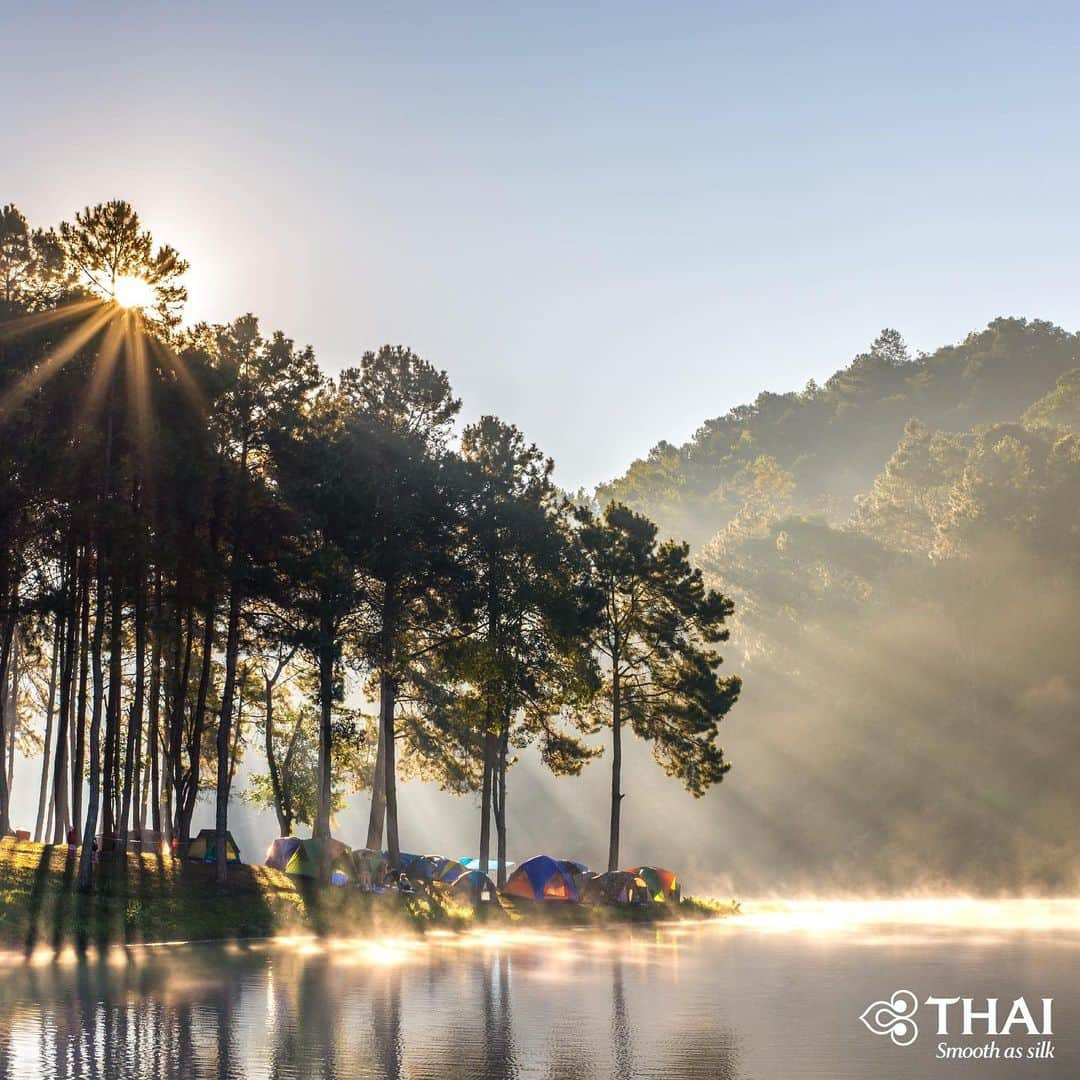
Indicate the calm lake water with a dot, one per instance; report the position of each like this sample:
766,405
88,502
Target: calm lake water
773,995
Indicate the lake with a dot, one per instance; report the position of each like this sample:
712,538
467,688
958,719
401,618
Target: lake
775,994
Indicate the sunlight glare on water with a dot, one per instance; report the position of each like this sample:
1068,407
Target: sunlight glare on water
775,993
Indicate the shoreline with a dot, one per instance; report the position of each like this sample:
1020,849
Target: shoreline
153,900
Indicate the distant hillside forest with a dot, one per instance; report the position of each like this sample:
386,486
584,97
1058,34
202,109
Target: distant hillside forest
903,548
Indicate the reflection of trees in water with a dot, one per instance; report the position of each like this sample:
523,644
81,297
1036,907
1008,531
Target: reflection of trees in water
622,1039
201,1013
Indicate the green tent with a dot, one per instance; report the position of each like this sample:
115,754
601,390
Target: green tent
204,847
304,861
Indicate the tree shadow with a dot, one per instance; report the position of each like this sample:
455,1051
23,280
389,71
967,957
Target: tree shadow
38,892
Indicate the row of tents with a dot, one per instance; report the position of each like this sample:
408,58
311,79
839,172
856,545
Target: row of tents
541,878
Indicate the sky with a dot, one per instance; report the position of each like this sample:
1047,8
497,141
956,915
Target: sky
608,223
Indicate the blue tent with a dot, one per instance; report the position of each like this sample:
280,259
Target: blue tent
542,878
471,885
281,851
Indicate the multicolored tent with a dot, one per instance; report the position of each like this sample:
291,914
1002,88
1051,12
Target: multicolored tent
473,885
305,859
281,850
435,869
542,878
663,884
617,887
204,847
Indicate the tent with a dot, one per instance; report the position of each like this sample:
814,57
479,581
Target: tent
663,884
204,847
578,873
405,860
542,878
435,869
473,863
447,871
471,884
371,866
617,887
280,851
304,861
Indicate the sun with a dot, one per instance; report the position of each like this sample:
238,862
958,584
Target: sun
133,292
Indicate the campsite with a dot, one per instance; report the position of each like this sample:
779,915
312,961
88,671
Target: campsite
142,898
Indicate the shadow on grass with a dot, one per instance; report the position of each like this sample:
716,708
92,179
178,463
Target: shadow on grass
38,892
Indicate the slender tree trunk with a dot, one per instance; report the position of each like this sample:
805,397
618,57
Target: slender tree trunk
616,765
133,751
191,790
153,735
326,696
377,816
276,786
46,760
69,644
387,700
94,794
500,816
78,765
12,691
485,796
185,637
110,820
7,632
224,736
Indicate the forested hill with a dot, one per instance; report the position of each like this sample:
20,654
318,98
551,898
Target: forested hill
835,439
902,547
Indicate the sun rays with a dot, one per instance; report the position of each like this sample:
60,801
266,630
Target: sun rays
116,334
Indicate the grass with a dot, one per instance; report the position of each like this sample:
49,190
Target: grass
142,898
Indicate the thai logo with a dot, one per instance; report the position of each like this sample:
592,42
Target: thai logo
895,1017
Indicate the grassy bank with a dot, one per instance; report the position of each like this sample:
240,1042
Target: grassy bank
152,898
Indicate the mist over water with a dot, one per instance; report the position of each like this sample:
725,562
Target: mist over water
775,994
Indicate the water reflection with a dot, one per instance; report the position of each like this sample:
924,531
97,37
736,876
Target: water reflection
725,1002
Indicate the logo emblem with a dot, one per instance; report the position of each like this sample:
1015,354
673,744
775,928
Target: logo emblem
895,1018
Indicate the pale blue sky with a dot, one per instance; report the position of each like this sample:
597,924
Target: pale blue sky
607,222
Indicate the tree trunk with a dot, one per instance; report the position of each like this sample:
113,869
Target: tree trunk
280,810
69,644
485,799
224,736
153,735
12,691
94,794
500,814
185,637
112,711
326,694
191,788
43,790
377,816
7,631
78,762
616,766
133,750
387,702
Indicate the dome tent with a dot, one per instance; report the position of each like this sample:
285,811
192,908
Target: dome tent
305,859
280,851
617,887
433,869
663,884
542,878
473,885
204,847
